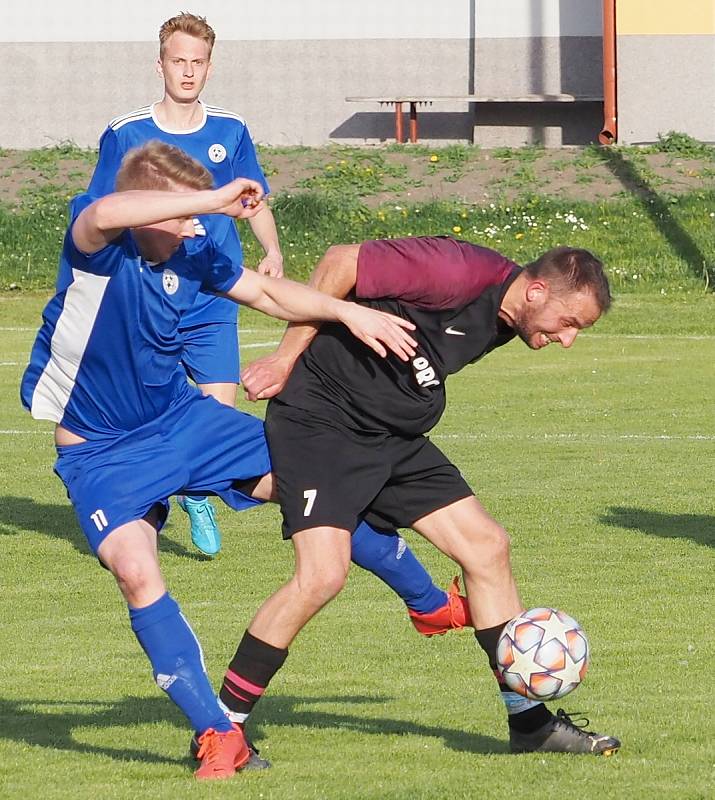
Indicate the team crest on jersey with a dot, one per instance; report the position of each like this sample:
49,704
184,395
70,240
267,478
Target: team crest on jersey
170,280
217,153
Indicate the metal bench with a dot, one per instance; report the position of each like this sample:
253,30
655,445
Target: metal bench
415,100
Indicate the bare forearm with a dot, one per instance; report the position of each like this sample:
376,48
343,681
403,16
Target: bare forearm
133,209
284,299
106,218
334,275
264,229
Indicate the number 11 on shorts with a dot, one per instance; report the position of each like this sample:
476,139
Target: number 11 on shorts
309,495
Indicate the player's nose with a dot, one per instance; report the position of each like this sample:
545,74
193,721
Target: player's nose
188,229
568,337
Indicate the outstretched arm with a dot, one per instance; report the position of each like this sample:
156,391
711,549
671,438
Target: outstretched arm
102,221
294,302
263,226
335,275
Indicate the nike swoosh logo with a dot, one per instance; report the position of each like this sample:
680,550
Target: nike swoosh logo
454,331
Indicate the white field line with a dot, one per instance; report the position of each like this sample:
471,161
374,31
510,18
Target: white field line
650,336
495,437
25,433
35,328
578,437
243,347
260,344
591,334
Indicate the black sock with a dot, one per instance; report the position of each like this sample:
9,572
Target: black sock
526,721
249,673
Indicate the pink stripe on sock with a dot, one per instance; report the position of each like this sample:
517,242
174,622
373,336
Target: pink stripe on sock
244,684
237,695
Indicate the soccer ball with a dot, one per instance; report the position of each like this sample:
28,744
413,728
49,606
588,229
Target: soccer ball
542,654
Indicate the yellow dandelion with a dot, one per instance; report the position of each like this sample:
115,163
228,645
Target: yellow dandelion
519,236
434,158
457,228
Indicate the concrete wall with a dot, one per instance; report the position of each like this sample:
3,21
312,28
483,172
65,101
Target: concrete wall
666,69
288,65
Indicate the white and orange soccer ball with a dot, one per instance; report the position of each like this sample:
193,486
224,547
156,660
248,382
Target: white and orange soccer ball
542,654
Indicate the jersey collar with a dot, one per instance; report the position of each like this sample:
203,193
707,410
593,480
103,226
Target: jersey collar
180,131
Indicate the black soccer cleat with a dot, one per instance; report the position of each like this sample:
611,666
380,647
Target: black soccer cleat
254,762
563,733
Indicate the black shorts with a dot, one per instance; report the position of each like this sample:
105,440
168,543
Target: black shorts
329,475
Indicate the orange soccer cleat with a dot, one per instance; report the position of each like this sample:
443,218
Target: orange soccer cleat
454,614
221,754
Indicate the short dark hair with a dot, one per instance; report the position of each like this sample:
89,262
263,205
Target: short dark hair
569,269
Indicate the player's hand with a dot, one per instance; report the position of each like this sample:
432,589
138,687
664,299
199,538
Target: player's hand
271,265
266,377
380,331
241,198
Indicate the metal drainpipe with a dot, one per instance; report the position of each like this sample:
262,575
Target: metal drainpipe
609,134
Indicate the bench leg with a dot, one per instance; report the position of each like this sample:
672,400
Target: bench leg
413,122
399,132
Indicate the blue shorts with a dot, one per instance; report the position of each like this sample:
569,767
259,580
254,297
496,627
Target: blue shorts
210,352
198,446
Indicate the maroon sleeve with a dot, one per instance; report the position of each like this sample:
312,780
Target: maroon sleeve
430,272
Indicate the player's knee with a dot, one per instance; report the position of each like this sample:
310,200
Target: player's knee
489,550
134,575
319,588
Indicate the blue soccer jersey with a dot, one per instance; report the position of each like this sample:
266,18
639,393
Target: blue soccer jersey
105,359
222,143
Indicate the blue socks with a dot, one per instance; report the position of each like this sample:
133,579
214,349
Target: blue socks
388,556
177,662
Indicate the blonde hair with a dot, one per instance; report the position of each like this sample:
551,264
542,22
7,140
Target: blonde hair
191,25
160,166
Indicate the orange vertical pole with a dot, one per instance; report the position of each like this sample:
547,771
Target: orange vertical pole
609,134
398,122
413,121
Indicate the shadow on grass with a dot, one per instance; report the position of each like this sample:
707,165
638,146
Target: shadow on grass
699,528
291,711
660,211
58,521
51,724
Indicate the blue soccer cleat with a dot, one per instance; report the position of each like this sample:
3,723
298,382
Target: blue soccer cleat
204,530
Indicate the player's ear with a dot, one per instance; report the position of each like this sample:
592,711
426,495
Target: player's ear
209,70
536,290
159,67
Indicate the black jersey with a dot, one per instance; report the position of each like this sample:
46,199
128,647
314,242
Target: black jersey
341,379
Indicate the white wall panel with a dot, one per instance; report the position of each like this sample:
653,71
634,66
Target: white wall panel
246,20
508,19
138,20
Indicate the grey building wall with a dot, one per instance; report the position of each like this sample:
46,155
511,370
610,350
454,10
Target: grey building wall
666,83
293,91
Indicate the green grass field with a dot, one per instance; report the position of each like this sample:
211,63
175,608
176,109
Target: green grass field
600,461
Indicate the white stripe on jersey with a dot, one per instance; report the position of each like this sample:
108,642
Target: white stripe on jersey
215,111
139,113
69,341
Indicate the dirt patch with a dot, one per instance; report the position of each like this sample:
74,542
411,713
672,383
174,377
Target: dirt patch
411,175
